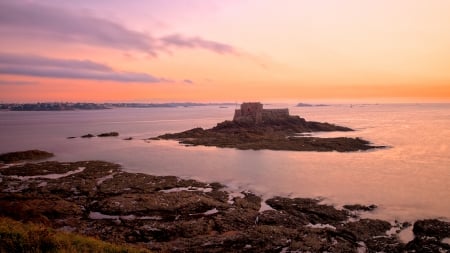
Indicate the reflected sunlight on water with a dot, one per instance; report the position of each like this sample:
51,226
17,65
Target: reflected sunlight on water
408,180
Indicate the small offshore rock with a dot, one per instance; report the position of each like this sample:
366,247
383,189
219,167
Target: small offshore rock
25,155
87,136
110,134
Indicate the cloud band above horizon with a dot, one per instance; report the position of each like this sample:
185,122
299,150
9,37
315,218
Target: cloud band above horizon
50,23
38,66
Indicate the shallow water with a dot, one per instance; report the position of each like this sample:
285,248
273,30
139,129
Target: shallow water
409,180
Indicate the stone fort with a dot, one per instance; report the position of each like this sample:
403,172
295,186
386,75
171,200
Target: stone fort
254,113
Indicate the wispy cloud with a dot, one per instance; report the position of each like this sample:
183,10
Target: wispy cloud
188,81
33,60
59,24
177,40
38,66
6,82
46,22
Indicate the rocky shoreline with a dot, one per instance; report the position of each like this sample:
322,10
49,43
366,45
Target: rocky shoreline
169,214
272,129
278,136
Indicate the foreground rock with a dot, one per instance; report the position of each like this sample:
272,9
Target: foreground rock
20,156
169,214
430,236
274,129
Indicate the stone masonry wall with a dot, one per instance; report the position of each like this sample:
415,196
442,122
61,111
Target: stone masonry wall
251,112
254,113
274,114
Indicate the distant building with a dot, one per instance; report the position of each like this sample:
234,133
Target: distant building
254,113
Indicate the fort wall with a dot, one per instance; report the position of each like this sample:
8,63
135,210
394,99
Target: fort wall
254,113
274,114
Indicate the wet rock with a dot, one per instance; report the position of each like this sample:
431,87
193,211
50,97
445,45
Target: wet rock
32,207
429,235
242,214
365,229
427,245
169,205
19,156
309,209
140,183
35,169
249,201
432,227
169,214
384,244
358,207
110,134
88,136
280,218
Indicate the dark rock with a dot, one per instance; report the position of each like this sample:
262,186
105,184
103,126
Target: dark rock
358,207
35,169
274,133
434,228
24,156
169,214
29,207
71,137
281,218
365,229
88,136
384,244
309,209
128,139
427,245
110,134
169,205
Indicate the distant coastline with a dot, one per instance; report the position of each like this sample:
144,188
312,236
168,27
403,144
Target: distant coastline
310,105
66,106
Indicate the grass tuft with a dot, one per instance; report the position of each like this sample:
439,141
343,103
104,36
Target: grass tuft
28,237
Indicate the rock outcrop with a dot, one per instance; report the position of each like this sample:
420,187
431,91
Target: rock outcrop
169,214
110,134
19,156
257,128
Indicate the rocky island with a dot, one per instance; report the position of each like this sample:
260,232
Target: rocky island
170,214
256,128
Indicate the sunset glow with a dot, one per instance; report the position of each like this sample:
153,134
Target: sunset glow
224,50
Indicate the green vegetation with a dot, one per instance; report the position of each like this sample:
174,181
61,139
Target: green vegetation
19,237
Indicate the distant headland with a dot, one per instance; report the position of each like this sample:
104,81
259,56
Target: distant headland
256,128
67,106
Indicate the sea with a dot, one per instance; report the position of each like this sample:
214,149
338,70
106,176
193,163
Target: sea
407,180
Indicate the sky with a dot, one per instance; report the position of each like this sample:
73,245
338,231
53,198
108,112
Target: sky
231,51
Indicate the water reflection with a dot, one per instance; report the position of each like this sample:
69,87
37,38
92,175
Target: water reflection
410,180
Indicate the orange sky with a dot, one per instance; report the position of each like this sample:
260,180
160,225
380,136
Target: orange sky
224,50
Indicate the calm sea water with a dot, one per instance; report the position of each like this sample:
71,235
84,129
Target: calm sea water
409,180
